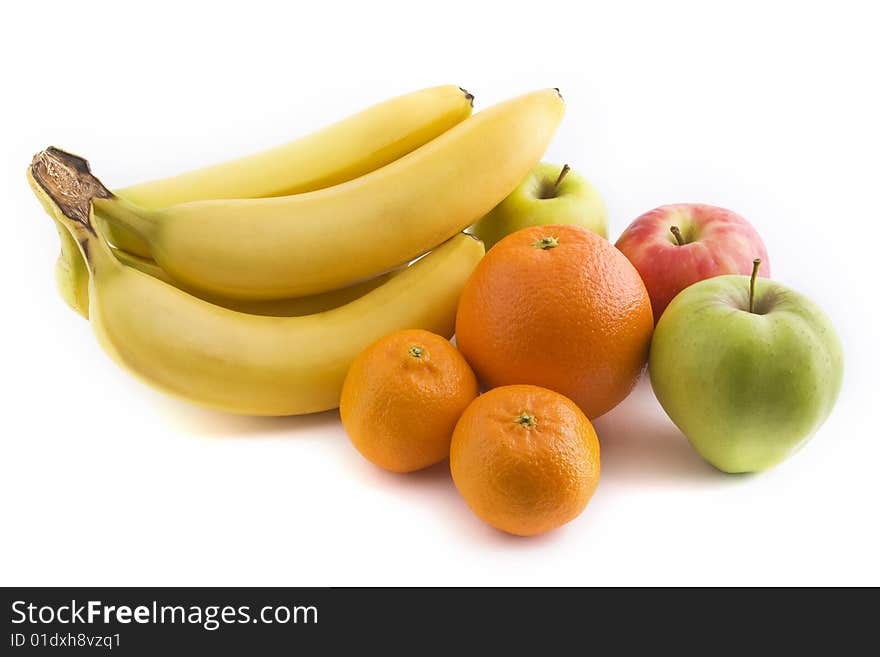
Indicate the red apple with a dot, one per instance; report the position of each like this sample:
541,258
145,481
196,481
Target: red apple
675,246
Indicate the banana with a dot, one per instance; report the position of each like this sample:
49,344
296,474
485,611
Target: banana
317,241
72,280
71,273
292,307
233,361
335,154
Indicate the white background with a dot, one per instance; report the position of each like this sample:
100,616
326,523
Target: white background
770,109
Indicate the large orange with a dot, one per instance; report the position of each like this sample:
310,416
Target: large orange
525,459
402,397
557,306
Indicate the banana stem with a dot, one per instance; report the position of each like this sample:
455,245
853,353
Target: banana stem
64,184
67,181
120,212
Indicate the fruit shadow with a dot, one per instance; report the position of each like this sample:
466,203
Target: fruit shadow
217,424
640,445
434,489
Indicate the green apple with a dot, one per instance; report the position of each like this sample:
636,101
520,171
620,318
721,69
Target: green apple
550,194
746,368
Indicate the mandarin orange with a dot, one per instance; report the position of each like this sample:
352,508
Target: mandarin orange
402,397
525,459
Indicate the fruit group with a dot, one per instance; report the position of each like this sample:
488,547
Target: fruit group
674,246
402,397
332,271
319,241
559,307
525,459
747,388
550,194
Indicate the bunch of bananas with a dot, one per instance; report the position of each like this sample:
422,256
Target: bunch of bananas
250,286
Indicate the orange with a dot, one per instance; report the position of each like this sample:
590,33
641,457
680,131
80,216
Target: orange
525,459
402,397
559,307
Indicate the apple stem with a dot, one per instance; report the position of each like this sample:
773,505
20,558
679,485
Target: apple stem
756,264
678,236
562,175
